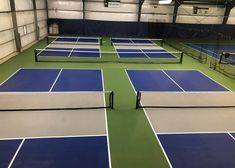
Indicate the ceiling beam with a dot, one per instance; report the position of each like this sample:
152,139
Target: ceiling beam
83,9
140,9
227,11
36,20
15,26
177,4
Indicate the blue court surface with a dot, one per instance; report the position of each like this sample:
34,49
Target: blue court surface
187,150
131,41
173,80
89,152
200,150
144,53
80,151
45,80
70,52
76,40
213,49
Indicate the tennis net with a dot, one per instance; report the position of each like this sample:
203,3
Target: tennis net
74,40
76,55
41,101
136,42
185,100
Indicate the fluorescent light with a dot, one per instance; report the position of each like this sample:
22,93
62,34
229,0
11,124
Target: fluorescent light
163,2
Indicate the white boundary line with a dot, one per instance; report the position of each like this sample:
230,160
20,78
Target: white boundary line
156,135
152,127
73,48
173,80
106,121
50,137
214,80
190,70
231,136
144,53
11,76
196,132
17,151
56,80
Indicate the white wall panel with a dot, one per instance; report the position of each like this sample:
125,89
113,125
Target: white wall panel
99,6
5,5
213,10
214,15
30,28
156,18
26,40
43,32
24,18
41,15
65,5
199,19
148,8
23,4
65,14
42,24
7,49
111,16
6,36
41,4
6,21
231,19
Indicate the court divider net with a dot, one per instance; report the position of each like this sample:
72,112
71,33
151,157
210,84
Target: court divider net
185,100
195,54
225,64
41,101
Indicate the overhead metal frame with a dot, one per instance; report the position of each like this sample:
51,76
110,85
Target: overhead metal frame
47,12
140,9
36,20
15,26
83,9
227,11
177,4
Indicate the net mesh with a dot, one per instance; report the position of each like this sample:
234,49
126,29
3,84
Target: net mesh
227,58
136,42
74,40
185,100
225,64
29,101
73,55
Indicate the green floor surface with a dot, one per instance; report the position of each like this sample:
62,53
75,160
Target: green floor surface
132,141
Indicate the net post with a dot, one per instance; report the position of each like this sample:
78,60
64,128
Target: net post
111,97
101,41
161,43
181,57
138,97
111,42
35,55
221,57
47,39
